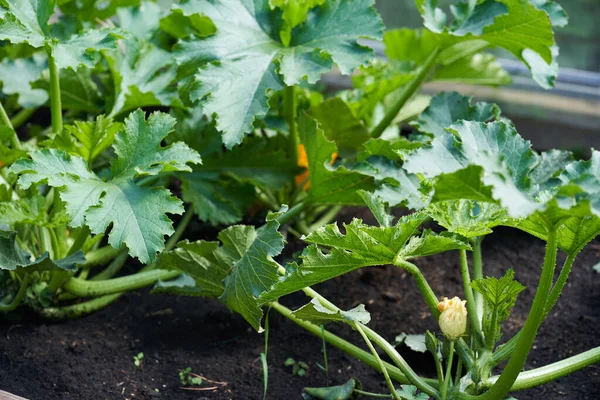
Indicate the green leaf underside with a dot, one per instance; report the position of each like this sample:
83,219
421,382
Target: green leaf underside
246,54
414,342
236,271
136,215
204,264
340,392
13,258
361,246
328,184
317,314
28,70
499,296
522,27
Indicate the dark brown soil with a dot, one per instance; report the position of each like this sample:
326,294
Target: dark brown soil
92,357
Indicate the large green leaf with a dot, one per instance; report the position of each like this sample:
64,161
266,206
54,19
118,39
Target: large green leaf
328,184
361,246
28,70
26,21
246,54
136,214
237,270
254,270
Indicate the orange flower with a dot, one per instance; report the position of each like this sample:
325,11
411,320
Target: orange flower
303,162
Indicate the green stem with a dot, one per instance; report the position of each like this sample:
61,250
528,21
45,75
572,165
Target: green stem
478,274
458,372
345,346
82,236
22,117
289,104
291,214
408,91
384,371
112,269
369,394
550,372
14,139
448,376
438,369
464,270
410,374
18,297
185,221
101,256
536,315
325,218
424,288
55,97
78,310
82,288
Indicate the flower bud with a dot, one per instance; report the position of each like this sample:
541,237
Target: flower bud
453,317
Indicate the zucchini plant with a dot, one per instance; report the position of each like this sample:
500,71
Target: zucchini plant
213,110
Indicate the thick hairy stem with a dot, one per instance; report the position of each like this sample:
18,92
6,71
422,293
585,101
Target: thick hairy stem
550,372
82,288
101,256
112,269
408,91
536,315
79,310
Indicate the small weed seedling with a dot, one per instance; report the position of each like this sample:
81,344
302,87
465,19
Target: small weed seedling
187,378
138,360
299,368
